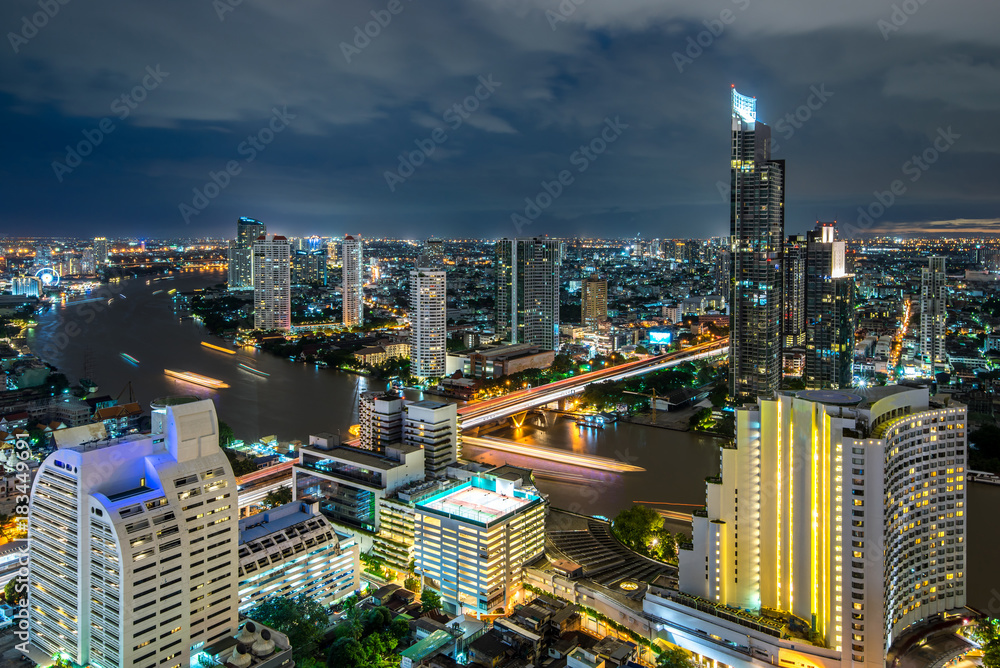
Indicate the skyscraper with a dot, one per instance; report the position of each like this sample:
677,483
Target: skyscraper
794,277
829,311
722,273
933,313
434,252
527,290
133,543
433,426
820,512
428,323
309,266
248,231
381,420
353,281
272,284
757,227
594,301
101,251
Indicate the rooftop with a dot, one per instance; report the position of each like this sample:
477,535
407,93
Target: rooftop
470,502
274,520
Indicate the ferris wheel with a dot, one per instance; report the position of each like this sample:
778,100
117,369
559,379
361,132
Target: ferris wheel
48,276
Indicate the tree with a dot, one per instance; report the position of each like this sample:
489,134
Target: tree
241,465
4,521
278,497
641,529
674,657
987,633
11,594
430,601
226,435
412,583
347,652
302,619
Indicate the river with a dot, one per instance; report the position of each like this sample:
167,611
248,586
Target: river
298,400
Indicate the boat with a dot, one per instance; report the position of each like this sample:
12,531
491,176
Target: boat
984,477
156,292
253,370
196,379
88,385
129,358
591,421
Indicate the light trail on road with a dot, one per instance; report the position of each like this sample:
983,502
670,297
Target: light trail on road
550,454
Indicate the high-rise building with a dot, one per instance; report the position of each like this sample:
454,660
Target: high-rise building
757,229
527,290
248,231
331,253
434,252
821,513
428,323
272,284
102,251
829,311
594,301
794,277
433,426
381,418
26,286
722,274
933,313
353,281
309,267
133,543
303,554
501,524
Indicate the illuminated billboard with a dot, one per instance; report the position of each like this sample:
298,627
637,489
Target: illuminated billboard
660,338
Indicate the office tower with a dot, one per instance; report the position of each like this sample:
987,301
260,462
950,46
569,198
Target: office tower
304,555
240,254
527,290
594,302
428,323
433,426
502,526
354,281
102,251
272,284
757,227
829,311
133,543
381,418
794,277
822,513
722,274
434,252
309,267
933,313
331,251
26,286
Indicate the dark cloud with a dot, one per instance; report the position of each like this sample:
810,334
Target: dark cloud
896,73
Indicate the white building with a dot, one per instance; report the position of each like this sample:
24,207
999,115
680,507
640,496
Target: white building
102,250
353,289
472,541
272,284
133,544
381,418
26,286
933,313
428,323
844,513
433,426
292,550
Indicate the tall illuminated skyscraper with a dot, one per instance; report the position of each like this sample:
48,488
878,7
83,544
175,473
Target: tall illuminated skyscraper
272,284
757,228
434,252
353,280
829,311
527,290
133,543
594,302
248,231
101,251
933,313
822,511
428,323
794,276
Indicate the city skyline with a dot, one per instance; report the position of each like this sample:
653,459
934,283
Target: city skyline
898,97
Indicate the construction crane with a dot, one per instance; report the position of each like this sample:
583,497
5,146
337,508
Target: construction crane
652,400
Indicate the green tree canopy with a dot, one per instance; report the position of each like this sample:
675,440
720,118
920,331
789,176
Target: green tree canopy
674,657
302,619
278,497
430,600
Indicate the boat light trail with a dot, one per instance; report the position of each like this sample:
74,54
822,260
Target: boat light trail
550,454
196,379
218,348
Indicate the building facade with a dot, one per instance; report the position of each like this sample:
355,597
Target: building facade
102,251
472,541
353,280
823,513
527,290
134,544
272,284
433,426
933,314
829,311
248,231
381,419
428,323
594,301
309,266
757,229
794,277
292,550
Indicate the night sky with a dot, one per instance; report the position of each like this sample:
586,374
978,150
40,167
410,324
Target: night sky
309,114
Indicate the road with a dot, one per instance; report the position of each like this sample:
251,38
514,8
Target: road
482,412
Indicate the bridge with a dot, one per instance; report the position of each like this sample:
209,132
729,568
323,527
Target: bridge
483,412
